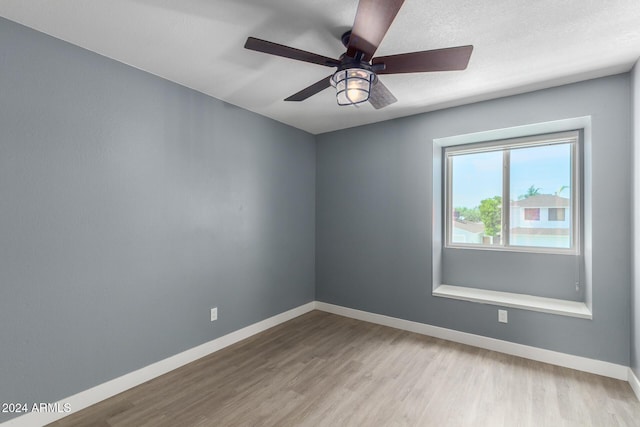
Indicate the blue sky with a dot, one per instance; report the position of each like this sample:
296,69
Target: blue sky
479,176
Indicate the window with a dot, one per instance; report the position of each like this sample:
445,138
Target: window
508,268
537,176
532,214
556,214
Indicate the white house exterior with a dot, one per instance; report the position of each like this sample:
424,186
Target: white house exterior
541,220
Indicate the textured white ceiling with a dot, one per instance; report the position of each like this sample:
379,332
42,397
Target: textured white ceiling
519,45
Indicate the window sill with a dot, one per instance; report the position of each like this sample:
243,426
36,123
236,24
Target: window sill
508,299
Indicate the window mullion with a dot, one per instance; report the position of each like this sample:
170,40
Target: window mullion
448,170
506,166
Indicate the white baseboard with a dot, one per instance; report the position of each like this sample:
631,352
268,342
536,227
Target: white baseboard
634,382
593,366
103,391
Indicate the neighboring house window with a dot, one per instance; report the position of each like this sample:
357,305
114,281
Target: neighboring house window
532,214
538,176
556,214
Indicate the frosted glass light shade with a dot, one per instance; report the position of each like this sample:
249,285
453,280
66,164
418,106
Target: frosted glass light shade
352,85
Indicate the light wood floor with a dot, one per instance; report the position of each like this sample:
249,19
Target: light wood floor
325,370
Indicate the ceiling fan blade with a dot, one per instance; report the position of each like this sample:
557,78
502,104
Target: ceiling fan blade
380,96
448,59
373,19
289,52
311,90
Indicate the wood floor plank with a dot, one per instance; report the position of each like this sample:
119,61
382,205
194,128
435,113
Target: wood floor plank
322,369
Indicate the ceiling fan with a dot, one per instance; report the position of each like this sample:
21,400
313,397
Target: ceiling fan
356,78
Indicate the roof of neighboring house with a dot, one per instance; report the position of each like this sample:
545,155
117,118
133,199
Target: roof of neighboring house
472,227
540,231
542,201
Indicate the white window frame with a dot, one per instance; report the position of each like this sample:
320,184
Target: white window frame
570,137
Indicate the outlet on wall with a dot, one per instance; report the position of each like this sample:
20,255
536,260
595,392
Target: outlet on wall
214,313
502,316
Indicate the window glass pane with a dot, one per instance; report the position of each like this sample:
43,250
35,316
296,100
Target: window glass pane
540,193
476,202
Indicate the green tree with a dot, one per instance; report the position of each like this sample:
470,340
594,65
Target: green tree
531,191
491,215
469,214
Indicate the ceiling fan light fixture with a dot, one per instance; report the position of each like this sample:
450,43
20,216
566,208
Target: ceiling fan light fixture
353,85
357,68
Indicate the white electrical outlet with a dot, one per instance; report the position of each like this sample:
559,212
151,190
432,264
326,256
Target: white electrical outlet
214,313
502,316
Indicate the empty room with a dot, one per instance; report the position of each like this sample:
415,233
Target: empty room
319,213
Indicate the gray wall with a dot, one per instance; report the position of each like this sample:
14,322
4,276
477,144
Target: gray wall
129,206
545,275
374,219
635,284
